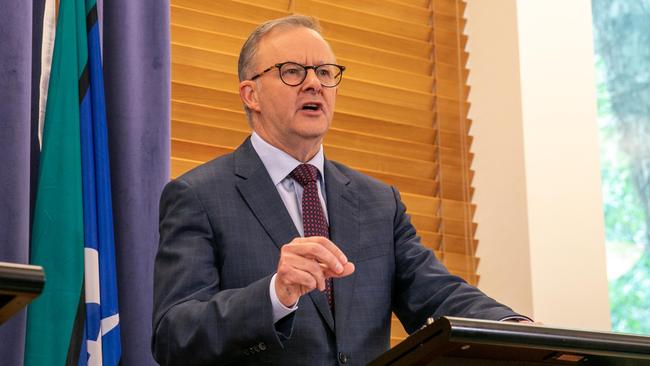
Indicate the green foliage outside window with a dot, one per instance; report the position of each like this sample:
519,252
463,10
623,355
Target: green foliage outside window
622,47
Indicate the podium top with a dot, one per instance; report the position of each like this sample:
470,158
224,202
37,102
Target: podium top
450,337
21,278
19,285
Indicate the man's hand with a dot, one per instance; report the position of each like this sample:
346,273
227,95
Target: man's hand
305,264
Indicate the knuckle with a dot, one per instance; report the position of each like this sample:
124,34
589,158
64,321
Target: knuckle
283,270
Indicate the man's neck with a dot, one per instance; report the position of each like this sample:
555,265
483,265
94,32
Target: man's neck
302,150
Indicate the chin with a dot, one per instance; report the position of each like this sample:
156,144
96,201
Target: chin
311,135
313,130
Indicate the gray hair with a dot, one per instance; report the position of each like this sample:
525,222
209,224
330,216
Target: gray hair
249,50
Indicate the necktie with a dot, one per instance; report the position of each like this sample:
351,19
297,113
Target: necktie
313,216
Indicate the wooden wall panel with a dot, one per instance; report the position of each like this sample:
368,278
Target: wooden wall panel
401,113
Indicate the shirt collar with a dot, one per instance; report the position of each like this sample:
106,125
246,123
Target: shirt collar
279,164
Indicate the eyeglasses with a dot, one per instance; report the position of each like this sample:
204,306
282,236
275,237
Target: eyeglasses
293,74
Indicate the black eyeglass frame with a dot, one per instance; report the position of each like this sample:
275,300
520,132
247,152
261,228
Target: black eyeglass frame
313,67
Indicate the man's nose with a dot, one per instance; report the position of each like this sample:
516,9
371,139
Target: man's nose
311,81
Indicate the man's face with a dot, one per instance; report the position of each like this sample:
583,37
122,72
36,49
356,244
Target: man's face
291,115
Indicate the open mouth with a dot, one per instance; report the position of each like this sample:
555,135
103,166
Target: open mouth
311,107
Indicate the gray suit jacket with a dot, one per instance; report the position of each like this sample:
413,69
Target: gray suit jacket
221,228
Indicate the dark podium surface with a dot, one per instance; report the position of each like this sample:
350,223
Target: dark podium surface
458,341
19,285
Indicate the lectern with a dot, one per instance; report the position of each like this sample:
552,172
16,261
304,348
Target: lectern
458,341
19,285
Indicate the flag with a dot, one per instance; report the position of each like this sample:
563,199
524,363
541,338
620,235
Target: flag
102,336
76,319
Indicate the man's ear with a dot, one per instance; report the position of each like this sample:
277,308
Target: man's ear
248,94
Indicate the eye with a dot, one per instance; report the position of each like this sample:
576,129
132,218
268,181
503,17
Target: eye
325,72
292,70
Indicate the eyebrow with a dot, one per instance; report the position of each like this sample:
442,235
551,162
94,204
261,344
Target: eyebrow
321,62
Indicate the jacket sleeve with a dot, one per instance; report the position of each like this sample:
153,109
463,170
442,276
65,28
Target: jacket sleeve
425,288
194,321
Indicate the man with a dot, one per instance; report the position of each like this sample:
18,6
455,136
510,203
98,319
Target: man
274,254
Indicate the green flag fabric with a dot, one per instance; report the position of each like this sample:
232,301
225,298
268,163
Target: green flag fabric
57,232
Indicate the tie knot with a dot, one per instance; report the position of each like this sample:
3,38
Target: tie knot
304,174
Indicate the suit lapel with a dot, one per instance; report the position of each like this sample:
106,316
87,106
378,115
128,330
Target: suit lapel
320,301
343,213
262,197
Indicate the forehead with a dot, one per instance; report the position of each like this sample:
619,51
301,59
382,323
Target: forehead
299,44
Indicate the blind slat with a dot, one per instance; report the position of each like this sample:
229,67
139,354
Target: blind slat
362,160
236,9
449,7
226,35
383,41
234,118
344,103
387,89
232,136
388,8
418,3
350,95
379,23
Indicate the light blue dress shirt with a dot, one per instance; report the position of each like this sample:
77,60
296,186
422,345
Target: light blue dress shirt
279,164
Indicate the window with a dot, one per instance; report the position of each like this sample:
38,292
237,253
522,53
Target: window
622,53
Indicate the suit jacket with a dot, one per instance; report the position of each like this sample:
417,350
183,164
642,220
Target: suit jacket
221,229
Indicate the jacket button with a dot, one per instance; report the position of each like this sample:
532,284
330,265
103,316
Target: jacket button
262,346
343,358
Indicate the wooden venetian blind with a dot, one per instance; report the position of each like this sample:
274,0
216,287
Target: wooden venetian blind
400,112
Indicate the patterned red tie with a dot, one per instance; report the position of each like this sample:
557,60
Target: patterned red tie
313,217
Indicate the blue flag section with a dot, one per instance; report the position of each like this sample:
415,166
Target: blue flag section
101,341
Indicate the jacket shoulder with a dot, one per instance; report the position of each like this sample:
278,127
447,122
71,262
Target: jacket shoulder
359,179
217,169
